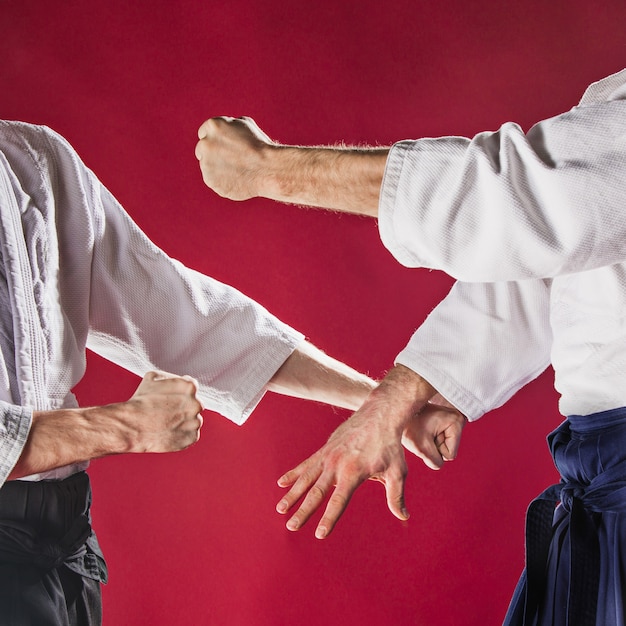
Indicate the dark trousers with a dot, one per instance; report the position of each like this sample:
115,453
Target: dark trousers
47,571
576,554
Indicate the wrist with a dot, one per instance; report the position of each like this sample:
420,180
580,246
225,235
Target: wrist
403,392
276,165
113,426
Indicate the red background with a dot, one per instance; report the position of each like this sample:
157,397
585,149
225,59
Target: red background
193,538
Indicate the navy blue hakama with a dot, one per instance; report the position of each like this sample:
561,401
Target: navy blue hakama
575,571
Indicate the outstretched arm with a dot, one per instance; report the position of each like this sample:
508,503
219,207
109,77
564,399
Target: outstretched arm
239,161
310,374
535,204
163,415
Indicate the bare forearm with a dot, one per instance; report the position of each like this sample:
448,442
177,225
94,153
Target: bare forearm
343,179
310,374
400,395
67,436
239,161
163,415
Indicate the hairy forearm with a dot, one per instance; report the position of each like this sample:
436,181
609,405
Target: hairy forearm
67,436
400,395
163,415
343,179
310,374
239,161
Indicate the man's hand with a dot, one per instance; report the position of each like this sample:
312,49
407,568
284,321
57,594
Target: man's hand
163,415
239,161
434,434
366,446
231,153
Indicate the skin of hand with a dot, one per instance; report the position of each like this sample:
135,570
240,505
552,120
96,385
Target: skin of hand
163,415
233,154
434,434
239,161
367,446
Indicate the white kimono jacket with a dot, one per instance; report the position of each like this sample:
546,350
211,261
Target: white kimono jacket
535,226
76,272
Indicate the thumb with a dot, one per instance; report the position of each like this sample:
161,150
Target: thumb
394,489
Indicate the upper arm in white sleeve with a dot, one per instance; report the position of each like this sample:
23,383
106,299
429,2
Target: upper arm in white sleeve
483,342
507,205
148,311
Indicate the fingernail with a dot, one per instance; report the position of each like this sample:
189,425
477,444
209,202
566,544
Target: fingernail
292,524
321,532
281,507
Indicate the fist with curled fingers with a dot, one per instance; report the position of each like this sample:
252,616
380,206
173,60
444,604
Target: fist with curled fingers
163,415
434,434
231,153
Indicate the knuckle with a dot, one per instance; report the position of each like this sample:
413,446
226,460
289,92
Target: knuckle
338,500
307,477
188,385
317,493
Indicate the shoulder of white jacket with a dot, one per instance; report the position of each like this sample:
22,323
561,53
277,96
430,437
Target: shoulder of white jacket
612,87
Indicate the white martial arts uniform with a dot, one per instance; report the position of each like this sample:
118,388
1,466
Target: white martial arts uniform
534,227
75,271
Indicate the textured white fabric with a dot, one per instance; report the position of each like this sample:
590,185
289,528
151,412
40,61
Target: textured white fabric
545,209
76,272
483,342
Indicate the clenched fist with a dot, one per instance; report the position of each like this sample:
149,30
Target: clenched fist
163,415
232,155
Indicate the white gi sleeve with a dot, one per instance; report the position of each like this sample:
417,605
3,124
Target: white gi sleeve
483,342
15,424
148,311
505,205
